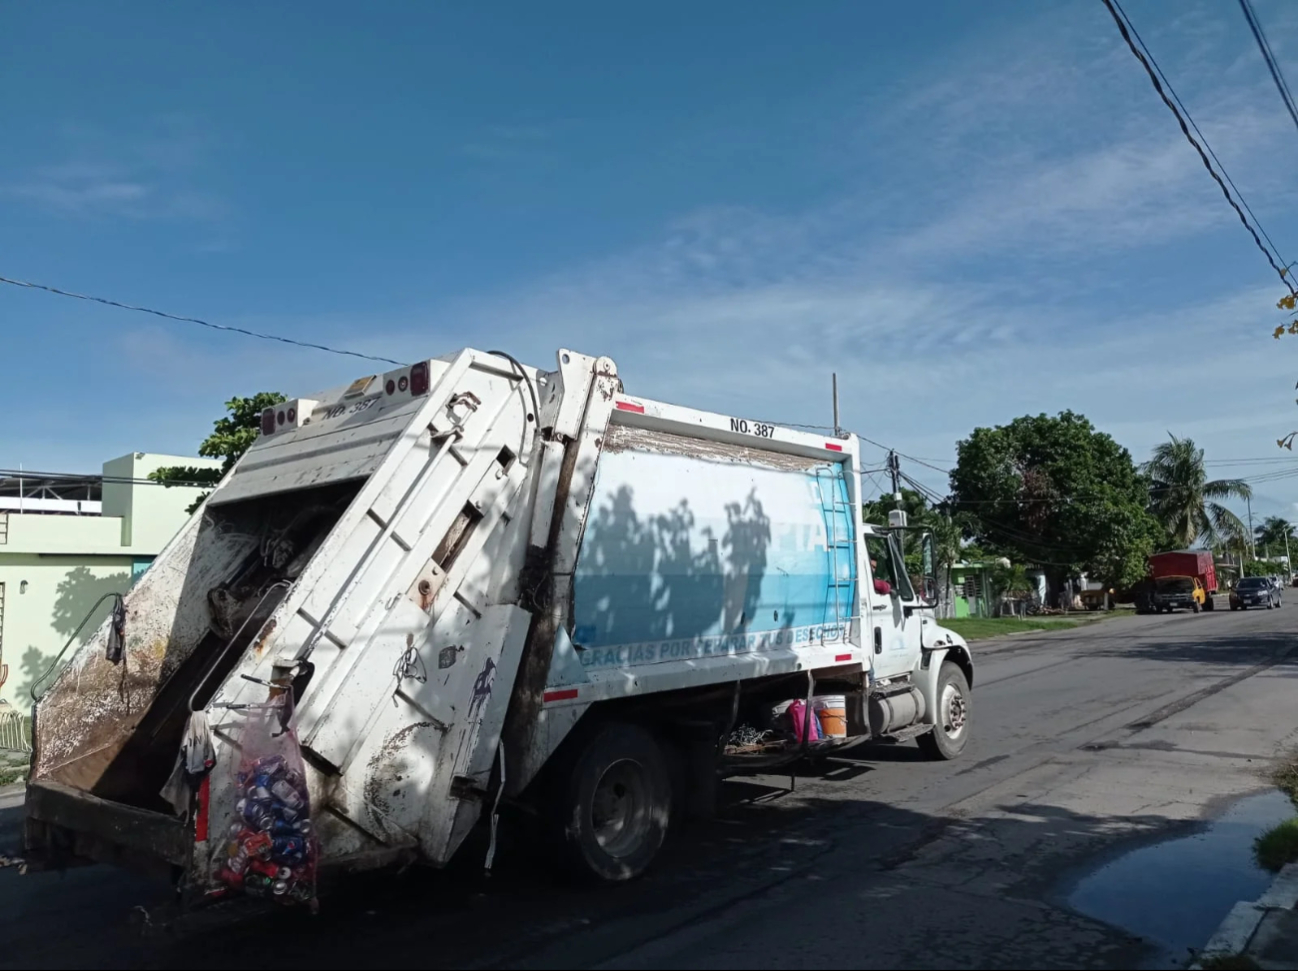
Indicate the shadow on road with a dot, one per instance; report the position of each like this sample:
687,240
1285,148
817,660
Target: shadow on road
764,837
1243,649
926,891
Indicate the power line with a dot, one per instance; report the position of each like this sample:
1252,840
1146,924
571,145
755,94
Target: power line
1203,138
1120,18
195,320
1273,66
908,458
1272,460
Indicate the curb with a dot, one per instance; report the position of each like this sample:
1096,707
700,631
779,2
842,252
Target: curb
1237,930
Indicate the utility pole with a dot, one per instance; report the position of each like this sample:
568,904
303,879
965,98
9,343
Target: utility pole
894,471
1251,542
838,431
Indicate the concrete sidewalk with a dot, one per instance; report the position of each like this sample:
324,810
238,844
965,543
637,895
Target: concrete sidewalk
1264,930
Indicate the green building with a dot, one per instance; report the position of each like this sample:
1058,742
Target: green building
65,541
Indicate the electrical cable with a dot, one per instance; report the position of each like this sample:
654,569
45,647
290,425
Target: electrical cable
1272,64
196,320
531,388
1121,20
1203,138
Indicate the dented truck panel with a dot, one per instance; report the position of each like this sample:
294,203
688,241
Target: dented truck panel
421,549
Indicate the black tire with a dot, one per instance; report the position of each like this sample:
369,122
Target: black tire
948,738
1195,607
1210,604
610,804
1270,605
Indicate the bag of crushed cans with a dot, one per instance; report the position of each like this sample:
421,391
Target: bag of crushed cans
269,849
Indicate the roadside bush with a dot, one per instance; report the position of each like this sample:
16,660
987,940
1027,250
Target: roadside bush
1278,846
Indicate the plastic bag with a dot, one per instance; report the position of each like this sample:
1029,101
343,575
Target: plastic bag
270,849
800,722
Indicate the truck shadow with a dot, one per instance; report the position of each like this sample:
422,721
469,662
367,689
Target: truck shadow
759,843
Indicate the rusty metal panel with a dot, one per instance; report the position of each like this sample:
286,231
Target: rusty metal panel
117,825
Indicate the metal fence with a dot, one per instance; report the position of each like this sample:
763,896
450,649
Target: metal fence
14,736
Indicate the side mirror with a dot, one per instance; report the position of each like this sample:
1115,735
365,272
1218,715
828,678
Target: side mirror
928,570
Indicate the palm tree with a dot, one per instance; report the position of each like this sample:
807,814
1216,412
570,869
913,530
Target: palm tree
1182,498
1273,533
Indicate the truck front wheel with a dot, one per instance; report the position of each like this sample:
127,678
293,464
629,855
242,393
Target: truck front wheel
948,738
610,808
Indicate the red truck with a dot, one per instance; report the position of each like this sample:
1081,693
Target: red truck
1183,578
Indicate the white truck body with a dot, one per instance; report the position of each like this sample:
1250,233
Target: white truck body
460,561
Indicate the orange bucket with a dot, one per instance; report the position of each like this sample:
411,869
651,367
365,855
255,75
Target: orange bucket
831,712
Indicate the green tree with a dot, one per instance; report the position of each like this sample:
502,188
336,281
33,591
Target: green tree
1053,491
1185,501
1012,581
1275,535
231,436
1265,568
916,507
948,529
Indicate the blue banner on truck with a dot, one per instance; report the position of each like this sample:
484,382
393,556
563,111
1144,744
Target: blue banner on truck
685,558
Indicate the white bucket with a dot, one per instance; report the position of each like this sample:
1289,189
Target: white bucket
831,712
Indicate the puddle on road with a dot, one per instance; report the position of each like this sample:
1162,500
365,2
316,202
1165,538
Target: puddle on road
1174,894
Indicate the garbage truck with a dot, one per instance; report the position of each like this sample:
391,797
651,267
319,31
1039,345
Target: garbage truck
479,585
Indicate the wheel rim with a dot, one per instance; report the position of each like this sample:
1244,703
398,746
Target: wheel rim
621,808
955,711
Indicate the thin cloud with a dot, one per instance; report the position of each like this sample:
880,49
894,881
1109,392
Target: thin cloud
153,175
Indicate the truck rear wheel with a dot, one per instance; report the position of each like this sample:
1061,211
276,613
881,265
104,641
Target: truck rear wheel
951,733
610,808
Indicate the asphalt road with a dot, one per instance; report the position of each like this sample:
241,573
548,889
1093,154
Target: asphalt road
1087,743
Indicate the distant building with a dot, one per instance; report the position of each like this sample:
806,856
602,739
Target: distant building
974,593
65,541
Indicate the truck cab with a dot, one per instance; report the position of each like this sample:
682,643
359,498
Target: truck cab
1178,593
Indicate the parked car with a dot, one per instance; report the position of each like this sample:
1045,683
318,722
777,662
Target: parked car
1255,592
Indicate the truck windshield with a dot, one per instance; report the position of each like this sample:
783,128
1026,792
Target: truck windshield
1175,585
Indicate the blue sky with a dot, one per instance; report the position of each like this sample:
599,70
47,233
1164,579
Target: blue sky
970,211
